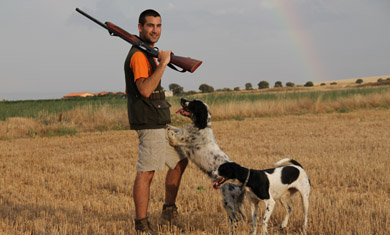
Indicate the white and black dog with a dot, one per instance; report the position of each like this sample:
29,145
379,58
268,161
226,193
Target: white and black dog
197,142
278,183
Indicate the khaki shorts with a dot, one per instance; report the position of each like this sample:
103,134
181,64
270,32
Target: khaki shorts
155,151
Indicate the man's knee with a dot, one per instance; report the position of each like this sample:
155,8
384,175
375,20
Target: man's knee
182,164
144,176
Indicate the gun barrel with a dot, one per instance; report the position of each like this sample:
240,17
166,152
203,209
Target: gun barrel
186,63
91,18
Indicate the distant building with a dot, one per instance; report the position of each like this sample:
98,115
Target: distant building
86,94
103,93
80,94
168,93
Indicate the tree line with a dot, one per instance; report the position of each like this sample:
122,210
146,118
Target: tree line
205,88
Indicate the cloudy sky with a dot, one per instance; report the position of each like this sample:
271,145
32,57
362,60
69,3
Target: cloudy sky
47,49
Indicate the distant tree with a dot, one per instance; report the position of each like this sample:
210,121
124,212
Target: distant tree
388,79
224,89
309,84
359,81
333,83
323,84
263,85
192,92
278,84
248,86
290,84
204,88
380,80
176,88
237,89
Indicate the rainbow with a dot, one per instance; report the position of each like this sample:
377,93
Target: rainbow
301,42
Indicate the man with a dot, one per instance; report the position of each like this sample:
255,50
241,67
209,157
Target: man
149,113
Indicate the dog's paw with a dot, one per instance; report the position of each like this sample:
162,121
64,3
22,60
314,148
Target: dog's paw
172,128
171,137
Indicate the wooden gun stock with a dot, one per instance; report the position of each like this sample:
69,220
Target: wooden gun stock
186,63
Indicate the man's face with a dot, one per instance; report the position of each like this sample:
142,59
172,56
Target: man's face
150,32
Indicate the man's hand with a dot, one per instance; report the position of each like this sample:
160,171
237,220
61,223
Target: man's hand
164,57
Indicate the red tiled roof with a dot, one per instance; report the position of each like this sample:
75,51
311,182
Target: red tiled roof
80,94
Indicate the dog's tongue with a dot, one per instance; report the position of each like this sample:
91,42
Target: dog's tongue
218,184
183,112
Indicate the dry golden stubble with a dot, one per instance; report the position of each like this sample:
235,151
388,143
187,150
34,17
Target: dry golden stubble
82,184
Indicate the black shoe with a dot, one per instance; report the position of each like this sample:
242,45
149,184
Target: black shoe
142,226
170,216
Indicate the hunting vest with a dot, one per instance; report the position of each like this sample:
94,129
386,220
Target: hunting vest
145,113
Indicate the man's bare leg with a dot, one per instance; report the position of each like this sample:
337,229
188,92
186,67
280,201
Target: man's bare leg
172,181
141,191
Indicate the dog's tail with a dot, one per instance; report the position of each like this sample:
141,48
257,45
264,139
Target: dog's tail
288,160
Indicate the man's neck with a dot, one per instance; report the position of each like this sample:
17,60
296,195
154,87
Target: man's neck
150,44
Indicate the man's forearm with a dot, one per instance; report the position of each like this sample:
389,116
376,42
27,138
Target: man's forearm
146,86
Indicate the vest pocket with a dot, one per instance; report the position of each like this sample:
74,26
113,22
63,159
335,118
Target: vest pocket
162,107
145,111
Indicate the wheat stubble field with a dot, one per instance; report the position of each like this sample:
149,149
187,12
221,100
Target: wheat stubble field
82,184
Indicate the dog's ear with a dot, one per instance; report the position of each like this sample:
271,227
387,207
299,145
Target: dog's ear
201,114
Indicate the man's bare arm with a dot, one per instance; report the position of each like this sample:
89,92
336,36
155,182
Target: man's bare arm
146,86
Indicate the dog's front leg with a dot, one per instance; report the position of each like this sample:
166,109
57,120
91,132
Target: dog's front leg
175,136
173,128
269,207
171,137
254,204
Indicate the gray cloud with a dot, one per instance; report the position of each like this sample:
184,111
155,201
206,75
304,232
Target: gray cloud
48,48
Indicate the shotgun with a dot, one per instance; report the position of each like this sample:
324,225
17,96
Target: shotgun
186,63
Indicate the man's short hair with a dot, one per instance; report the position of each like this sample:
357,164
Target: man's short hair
149,12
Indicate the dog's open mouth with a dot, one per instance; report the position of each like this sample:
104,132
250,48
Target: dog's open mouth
184,112
219,183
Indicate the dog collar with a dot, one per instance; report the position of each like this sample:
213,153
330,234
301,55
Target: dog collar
246,181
